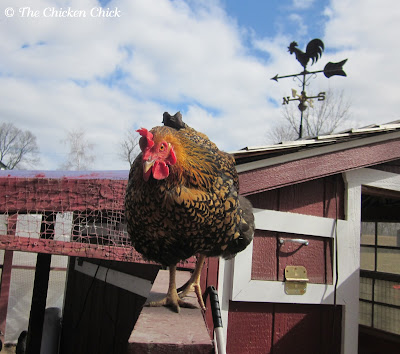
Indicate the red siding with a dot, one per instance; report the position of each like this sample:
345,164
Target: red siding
314,167
265,258
392,166
318,198
270,257
313,257
307,329
283,328
209,276
250,327
323,197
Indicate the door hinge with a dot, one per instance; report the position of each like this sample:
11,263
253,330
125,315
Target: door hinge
295,280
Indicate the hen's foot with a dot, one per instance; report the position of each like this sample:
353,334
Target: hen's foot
192,286
194,283
172,301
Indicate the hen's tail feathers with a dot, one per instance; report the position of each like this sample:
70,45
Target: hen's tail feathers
246,229
174,121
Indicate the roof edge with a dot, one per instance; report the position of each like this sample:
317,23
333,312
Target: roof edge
298,155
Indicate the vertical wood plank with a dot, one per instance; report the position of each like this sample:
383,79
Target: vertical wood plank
296,327
283,328
303,198
392,166
265,200
5,290
250,328
6,276
334,197
209,277
328,250
264,266
307,328
330,329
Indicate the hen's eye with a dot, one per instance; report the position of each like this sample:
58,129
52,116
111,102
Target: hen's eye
162,147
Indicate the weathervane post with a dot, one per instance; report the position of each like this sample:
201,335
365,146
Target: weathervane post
313,52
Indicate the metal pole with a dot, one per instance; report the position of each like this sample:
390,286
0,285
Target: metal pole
217,320
303,93
301,125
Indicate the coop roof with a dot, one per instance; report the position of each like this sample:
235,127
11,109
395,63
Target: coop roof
275,166
313,145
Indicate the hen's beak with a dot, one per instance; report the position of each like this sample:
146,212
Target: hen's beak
147,165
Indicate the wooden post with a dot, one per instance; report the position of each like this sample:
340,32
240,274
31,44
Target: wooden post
6,276
5,291
40,287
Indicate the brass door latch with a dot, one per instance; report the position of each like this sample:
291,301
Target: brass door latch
295,280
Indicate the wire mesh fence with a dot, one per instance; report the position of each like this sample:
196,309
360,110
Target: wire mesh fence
73,215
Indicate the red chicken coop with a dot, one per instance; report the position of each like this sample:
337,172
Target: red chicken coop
320,273
324,260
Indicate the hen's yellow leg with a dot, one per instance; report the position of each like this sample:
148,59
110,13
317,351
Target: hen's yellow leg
172,299
194,282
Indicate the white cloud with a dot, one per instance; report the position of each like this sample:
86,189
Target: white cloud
300,25
302,4
366,33
109,75
167,52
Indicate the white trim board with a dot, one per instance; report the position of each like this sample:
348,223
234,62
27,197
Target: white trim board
373,178
121,280
272,220
246,289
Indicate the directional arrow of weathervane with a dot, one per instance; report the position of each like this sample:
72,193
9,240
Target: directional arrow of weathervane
330,69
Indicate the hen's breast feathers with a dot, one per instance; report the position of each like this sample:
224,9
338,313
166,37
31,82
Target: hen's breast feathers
196,209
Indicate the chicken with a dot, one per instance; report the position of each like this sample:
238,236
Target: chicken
182,200
313,51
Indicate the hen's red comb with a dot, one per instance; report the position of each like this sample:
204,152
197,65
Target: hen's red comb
147,142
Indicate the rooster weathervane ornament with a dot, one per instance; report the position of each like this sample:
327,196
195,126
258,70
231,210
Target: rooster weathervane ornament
313,52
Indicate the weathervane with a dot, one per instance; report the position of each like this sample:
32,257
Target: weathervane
313,52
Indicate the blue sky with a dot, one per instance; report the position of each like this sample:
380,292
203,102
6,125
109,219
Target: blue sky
210,59
270,18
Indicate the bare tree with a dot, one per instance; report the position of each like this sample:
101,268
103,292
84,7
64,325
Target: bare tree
18,148
129,147
79,156
319,118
